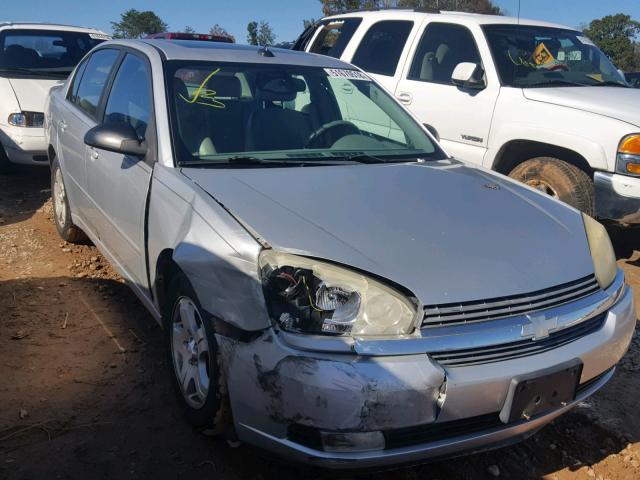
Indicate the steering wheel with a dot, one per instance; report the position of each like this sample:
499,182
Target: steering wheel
336,125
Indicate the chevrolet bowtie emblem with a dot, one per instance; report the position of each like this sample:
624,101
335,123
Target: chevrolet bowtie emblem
539,326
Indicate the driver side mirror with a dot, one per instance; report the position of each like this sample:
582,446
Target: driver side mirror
116,137
468,75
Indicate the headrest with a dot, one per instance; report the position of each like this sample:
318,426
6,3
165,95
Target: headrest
225,86
283,89
441,52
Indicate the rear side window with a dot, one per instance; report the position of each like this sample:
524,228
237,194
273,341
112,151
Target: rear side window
130,98
334,37
73,91
442,47
93,80
381,47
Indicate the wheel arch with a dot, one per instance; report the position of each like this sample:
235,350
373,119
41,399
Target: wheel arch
515,152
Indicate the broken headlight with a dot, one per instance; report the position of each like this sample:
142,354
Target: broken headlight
305,295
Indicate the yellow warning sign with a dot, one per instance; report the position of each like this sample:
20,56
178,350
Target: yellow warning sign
542,55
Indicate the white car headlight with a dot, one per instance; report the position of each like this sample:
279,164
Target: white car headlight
602,253
305,295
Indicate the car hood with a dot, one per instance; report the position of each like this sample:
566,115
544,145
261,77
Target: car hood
615,102
445,231
32,93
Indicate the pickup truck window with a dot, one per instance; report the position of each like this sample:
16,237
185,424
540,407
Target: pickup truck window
44,52
130,97
334,36
93,80
442,47
223,113
380,49
531,56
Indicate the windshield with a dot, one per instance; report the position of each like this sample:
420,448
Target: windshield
530,56
44,51
232,111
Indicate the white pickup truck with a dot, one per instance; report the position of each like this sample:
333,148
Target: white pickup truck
535,101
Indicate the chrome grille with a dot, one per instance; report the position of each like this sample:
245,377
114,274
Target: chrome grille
522,348
479,311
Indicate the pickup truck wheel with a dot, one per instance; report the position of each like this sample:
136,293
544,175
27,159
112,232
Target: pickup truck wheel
194,358
558,179
61,211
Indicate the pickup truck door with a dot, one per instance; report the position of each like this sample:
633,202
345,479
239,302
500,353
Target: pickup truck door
461,117
75,117
119,184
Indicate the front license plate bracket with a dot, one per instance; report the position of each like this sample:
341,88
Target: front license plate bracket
540,392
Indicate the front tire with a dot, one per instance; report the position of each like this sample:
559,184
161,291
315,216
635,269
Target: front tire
193,356
558,179
61,211
6,166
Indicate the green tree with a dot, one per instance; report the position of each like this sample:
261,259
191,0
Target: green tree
188,29
260,33
252,35
135,24
616,36
477,6
219,30
308,22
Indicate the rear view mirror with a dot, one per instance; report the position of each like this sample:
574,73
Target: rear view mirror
468,75
116,137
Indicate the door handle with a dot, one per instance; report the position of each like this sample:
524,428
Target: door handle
62,125
94,153
404,97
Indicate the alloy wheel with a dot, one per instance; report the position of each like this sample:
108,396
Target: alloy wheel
190,353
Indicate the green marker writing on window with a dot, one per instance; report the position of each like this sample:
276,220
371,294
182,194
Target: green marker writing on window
205,96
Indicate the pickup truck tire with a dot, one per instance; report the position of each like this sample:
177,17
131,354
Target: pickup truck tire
558,179
194,360
61,211
6,166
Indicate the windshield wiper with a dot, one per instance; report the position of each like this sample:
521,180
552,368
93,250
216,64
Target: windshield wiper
33,72
555,83
241,160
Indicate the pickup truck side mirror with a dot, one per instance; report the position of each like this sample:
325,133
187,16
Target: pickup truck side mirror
117,137
469,75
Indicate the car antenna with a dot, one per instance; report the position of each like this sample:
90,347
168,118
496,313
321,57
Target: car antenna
519,3
265,52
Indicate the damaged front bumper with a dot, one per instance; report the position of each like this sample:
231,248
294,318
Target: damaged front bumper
301,404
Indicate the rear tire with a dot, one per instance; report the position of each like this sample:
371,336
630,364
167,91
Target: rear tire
61,211
558,179
194,360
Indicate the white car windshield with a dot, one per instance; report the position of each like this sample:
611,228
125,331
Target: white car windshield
530,56
53,52
257,112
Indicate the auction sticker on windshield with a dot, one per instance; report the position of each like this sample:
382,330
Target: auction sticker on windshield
348,74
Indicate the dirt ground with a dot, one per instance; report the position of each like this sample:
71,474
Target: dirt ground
85,393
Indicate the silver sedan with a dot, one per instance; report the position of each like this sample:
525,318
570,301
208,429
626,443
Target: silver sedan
333,286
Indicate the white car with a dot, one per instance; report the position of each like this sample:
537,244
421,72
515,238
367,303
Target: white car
33,58
535,101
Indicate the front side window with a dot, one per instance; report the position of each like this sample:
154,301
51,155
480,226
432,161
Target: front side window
44,52
93,80
442,47
130,98
226,111
530,56
334,36
380,49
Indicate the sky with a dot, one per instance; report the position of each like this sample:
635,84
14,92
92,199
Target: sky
285,16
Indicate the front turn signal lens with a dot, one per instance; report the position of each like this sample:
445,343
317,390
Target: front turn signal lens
630,145
633,168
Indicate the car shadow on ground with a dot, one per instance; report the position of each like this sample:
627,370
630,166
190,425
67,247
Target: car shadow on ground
34,191
85,393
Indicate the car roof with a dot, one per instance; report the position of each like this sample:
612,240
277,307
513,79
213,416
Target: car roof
446,16
229,52
48,26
